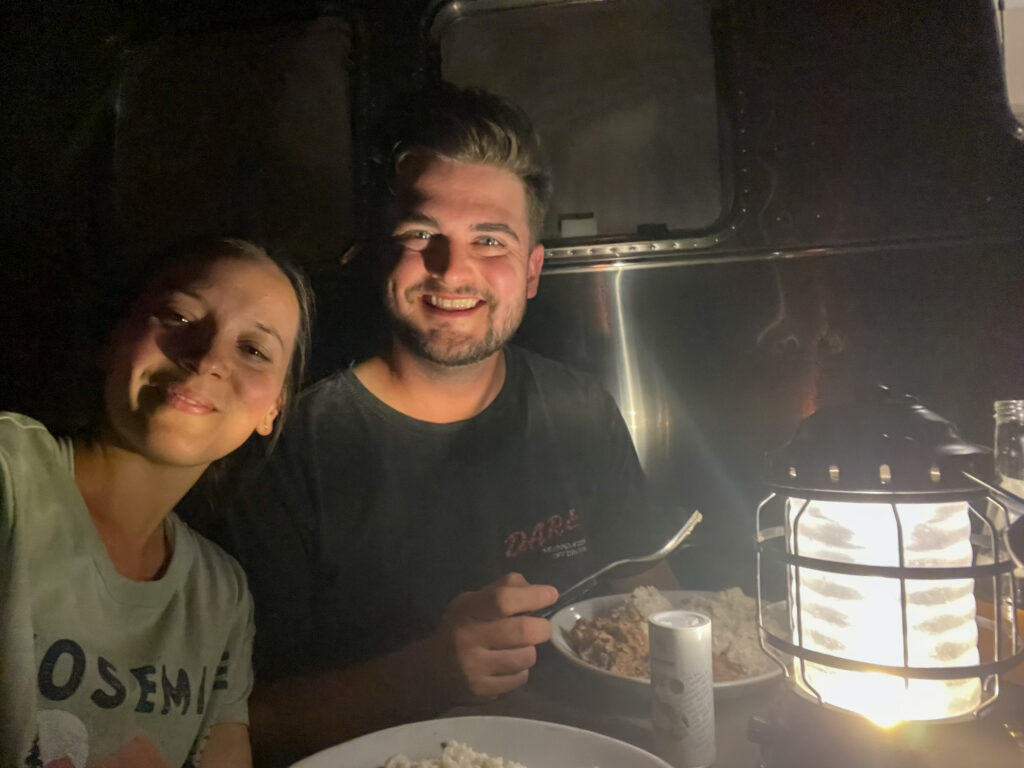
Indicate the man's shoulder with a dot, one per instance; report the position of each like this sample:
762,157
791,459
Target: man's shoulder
325,401
554,378
332,389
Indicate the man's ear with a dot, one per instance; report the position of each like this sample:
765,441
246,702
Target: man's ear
534,264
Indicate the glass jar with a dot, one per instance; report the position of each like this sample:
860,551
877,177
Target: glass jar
1009,445
1009,467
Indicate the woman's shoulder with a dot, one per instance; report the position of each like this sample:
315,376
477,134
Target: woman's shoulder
17,428
25,441
217,573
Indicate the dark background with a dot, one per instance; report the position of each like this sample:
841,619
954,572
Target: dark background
875,228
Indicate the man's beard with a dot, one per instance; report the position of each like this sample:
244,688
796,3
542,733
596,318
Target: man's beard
443,346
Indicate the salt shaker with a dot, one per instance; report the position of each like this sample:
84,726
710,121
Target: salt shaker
682,696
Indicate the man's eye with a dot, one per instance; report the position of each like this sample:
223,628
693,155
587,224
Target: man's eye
416,234
415,239
489,241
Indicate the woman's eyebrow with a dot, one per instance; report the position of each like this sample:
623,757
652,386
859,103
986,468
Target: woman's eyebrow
270,331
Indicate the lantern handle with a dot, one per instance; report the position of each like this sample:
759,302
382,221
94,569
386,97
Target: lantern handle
1015,532
1006,495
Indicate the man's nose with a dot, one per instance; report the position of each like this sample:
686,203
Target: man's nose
446,258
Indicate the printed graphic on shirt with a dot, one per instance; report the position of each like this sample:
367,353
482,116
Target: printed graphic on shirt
64,743
68,673
160,689
557,537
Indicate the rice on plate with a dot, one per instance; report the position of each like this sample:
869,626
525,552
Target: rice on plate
618,642
454,754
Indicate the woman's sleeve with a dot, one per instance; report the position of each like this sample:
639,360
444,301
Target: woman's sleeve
17,654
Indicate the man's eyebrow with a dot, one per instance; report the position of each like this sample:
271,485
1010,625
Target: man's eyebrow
495,226
417,217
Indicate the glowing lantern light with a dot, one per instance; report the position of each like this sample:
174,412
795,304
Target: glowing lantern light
884,541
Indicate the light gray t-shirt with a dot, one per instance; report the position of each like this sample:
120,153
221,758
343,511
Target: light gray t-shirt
90,659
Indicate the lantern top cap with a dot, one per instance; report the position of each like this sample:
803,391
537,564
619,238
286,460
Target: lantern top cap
881,442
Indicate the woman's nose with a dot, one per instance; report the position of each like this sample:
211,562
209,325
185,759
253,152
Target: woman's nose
212,363
201,349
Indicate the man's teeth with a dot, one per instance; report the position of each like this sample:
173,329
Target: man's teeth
440,303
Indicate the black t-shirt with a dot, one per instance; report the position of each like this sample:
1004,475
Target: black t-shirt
364,523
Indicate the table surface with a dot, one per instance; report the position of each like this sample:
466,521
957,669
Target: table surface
558,692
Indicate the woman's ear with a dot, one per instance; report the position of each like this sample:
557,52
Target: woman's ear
266,425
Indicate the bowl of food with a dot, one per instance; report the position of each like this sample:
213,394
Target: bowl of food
483,742
607,637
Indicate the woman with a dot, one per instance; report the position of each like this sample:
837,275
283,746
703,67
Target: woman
125,638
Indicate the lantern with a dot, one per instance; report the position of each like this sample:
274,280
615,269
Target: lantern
885,549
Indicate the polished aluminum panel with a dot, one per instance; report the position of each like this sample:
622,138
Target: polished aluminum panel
714,364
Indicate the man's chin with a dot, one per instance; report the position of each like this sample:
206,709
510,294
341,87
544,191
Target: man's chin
446,351
452,360
455,356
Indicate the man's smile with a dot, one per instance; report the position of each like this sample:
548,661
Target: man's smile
452,304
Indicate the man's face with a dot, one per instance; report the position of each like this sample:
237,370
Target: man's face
463,267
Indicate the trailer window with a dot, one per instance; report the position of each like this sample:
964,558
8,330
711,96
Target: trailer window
623,95
1010,15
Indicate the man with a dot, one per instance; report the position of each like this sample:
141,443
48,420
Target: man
421,504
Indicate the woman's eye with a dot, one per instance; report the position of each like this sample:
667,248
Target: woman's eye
254,351
171,318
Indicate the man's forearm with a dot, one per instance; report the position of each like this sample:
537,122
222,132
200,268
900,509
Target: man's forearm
296,716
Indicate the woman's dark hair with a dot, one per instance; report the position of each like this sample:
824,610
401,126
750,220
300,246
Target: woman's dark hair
122,293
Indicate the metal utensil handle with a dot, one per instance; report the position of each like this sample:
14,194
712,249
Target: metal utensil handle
582,587
570,595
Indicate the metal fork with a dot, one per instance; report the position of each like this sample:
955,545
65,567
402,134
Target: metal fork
582,587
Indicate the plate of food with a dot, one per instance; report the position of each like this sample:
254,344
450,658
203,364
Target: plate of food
607,636
483,742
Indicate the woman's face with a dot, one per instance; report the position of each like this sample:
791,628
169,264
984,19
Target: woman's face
200,364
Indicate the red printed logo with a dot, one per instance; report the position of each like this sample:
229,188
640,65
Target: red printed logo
542,534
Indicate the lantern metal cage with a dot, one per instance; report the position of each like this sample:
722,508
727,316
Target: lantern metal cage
881,461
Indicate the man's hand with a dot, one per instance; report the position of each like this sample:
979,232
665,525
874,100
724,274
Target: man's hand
484,647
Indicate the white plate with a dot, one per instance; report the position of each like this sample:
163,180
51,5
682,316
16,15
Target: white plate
563,622
533,743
